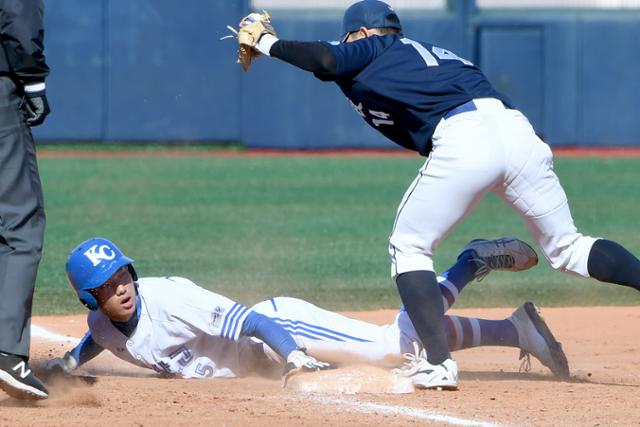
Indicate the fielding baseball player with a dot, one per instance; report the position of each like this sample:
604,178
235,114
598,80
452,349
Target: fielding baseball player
427,99
173,326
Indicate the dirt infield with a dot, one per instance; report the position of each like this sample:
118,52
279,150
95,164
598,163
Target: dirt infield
601,344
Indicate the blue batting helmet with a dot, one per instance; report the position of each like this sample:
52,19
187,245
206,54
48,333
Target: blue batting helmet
369,14
91,264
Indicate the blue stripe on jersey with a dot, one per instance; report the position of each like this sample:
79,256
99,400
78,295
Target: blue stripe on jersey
318,329
233,321
236,321
299,330
301,334
228,318
273,303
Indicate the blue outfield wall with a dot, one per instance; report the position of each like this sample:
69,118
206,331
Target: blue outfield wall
573,74
148,70
154,70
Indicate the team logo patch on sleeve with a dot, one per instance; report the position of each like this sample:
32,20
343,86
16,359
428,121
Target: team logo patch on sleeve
217,316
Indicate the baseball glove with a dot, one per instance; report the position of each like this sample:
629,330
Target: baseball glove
59,371
252,27
61,365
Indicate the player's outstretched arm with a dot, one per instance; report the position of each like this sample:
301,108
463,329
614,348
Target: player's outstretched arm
299,361
257,36
260,326
327,61
86,350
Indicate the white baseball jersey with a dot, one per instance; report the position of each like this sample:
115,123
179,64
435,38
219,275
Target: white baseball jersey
189,331
183,329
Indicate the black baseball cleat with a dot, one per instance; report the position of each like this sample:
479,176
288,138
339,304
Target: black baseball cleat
506,254
17,379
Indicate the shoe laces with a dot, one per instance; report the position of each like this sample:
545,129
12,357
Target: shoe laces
525,366
412,361
494,262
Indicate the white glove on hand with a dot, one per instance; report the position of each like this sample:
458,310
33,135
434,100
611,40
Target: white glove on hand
299,361
61,365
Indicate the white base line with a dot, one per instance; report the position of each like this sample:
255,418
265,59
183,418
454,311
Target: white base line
40,332
352,404
403,411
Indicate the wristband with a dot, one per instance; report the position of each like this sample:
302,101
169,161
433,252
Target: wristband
265,43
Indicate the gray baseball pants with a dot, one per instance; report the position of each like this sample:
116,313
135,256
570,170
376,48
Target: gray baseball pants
22,222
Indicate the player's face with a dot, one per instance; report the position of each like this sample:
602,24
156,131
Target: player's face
117,296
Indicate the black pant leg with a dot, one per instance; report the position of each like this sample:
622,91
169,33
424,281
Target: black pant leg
22,222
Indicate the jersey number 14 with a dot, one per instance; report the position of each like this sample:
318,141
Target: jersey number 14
429,58
379,117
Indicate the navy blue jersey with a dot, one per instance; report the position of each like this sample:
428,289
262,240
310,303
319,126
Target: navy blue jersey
402,87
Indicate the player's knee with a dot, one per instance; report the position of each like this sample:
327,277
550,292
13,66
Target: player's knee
409,258
571,256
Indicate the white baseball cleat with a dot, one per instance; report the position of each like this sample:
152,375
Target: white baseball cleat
506,254
536,339
424,375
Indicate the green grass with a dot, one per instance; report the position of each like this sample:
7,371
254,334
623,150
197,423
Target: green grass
90,146
311,227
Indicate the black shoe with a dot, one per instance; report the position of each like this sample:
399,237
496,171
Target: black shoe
17,380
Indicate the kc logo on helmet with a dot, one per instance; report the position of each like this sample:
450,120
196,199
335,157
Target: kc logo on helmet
97,254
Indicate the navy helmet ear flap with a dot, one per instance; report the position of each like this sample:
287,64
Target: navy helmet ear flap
88,300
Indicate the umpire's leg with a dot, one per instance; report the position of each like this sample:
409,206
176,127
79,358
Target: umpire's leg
22,223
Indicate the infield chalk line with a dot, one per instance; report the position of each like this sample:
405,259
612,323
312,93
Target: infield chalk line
353,404
40,332
404,411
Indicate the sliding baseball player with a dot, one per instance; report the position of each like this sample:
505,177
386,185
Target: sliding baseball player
171,325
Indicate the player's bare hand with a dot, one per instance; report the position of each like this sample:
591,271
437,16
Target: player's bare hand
299,361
